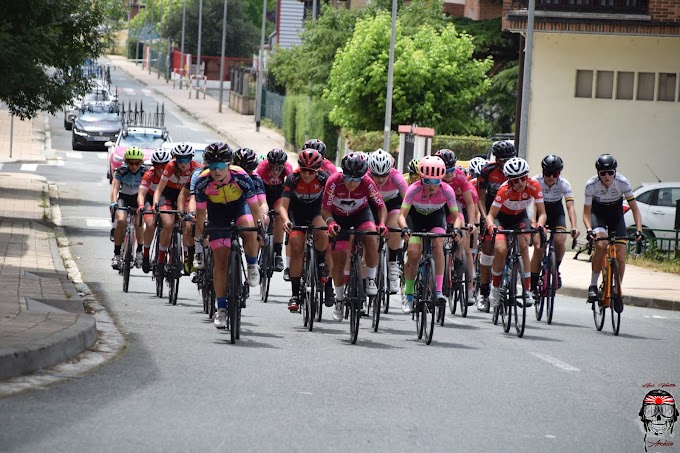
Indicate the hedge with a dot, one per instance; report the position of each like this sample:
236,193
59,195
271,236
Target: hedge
303,119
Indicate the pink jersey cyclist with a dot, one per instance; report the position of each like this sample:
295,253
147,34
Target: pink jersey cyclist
392,191
329,167
427,213
273,181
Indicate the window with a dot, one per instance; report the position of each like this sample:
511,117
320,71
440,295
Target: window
584,84
645,197
605,85
668,196
667,87
624,85
646,82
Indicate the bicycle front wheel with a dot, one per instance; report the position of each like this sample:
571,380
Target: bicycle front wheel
310,288
542,291
519,301
127,259
464,291
616,298
429,304
234,292
355,300
599,309
266,258
551,289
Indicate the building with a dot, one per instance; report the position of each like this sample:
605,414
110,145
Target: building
605,78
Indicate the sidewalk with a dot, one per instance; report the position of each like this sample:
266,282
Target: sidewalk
42,320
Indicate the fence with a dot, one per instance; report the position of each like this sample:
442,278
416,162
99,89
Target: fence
272,107
661,242
211,65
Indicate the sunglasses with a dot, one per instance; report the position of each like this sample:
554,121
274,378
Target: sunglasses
183,160
133,163
450,170
379,176
431,182
276,168
520,179
309,171
551,174
217,166
607,172
350,179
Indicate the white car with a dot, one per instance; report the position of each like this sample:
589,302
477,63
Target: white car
657,203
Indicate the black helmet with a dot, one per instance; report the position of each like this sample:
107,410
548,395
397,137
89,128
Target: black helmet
606,162
246,158
552,162
277,156
503,149
448,156
217,152
316,144
354,165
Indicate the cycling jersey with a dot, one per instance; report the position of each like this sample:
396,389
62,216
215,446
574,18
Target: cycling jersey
129,182
410,179
259,187
513,202
393,190
460,185
490,179
425,204
341,202
191,184
150,181
305,198
554,194
269,179
329,167
176,179
598,194
224,199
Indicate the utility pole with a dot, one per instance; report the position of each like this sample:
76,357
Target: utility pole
260,70
390,81
224,44
150,34
526,82
198,57
169,60
181,50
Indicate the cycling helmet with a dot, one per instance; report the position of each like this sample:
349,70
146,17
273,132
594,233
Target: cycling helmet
431,167
552,162
380,162
448,156
310,158
246,159
161,156
354,165
503,149
413,166
606,162
515,168
217,152
476,164
316,144
277,156
183,150
134,153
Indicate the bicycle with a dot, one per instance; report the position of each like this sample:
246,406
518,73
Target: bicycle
425,291
312,288
609,293
380,301
513,287
266,260
476,265
156,272
547,280
203,279
455,282
174,266
129,241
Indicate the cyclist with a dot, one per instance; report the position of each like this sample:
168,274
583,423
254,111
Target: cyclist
247,159
466,199
274,170
411,175
509,211
345,205
320,146
147,187
602,211
126,181
554,188
224,195
489,181
175,176
301,206
423,210
392,187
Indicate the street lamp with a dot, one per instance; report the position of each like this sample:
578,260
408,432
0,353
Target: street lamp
181,50
390,81
526,81
260,69
224,44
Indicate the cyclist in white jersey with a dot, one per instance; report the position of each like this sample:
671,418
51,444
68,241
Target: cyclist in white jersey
603,210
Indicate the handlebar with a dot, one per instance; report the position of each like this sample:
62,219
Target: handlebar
613,239
304,228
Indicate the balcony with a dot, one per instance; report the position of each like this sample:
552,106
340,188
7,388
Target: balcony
623,7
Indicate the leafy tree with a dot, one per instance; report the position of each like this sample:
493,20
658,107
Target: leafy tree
436,78
43,43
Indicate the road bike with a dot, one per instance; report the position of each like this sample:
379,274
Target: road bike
456,279
609,294
156,271
203,278
548,280
381,301
513,291
129,241
266,260
174,267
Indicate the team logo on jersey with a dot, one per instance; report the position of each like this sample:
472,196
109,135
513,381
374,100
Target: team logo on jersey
498,198
525,195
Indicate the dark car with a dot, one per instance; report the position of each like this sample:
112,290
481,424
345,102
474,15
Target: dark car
93,128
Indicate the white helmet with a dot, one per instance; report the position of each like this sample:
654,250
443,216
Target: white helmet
476,164
380,162
515,168
161,156
183,150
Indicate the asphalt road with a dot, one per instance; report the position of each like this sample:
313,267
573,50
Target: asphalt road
180,385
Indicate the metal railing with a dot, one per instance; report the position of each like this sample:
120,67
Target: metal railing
663,243
272,107
589,6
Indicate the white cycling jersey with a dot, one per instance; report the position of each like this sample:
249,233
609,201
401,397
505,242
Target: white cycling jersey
555,193
598,193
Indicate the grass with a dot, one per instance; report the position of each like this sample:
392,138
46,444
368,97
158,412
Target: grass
671,266
44,206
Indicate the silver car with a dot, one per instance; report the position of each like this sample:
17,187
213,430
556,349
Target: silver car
99,96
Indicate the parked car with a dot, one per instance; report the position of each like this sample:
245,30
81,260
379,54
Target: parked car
147,138
99,96
657,203
94,127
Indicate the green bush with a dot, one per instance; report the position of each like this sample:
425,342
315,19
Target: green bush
303,120
371,140
290,105
465,147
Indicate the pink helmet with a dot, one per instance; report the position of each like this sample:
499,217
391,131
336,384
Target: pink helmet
431,167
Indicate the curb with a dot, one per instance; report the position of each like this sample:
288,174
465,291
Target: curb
635,301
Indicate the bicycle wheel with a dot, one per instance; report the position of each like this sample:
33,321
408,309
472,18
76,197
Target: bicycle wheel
355,300
504,295
266,257
448,285
418,301
616,296
463,291
519,306
551,288
376,302
209,288
428,313
320,297
127,258
542,290
176,265
310,289
599,310
234,292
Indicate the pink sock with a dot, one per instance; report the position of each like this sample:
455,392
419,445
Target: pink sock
439,282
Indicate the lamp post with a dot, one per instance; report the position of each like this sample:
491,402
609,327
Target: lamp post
390,81
150,33
224,44
260,69
526,81
181,50
198,56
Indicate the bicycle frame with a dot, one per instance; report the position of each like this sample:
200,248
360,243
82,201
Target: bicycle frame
311,288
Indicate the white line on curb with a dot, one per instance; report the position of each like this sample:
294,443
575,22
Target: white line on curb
29,167
555,362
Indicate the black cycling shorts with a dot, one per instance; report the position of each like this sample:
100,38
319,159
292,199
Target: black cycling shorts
273,194
125,200
302,214
354,220
421,223
608,218
556,219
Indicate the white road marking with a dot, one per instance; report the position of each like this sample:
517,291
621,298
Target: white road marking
129,91
147,92
29,167
555,362
74,155
55,162
0,166
98,223
550,436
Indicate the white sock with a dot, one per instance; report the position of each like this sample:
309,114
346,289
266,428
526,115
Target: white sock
340,293
287,261
593,278
371,272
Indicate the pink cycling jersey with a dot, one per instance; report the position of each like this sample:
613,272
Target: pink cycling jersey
394,186
460,185
328,167
425,204
268,178
341,202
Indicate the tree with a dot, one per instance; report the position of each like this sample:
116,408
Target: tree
43,44
436,78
